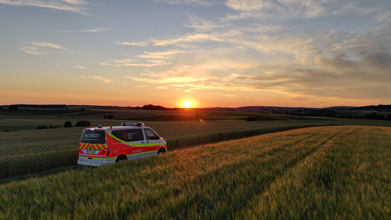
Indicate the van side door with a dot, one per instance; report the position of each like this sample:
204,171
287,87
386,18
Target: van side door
132,140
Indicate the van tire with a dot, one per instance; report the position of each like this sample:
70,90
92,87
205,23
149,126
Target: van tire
161,151
121,158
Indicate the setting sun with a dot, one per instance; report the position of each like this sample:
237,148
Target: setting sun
187,104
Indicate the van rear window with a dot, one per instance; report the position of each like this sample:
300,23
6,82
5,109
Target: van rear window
93,137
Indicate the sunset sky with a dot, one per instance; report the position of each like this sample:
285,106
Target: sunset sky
227,53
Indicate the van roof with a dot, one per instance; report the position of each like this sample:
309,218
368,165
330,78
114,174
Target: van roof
114,127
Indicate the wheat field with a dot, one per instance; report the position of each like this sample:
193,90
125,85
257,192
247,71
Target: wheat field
311,173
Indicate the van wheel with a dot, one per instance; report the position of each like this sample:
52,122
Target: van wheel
161,151
121,158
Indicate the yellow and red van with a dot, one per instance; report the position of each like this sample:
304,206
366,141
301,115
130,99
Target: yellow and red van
132,140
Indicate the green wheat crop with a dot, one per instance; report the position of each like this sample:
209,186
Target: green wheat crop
321,172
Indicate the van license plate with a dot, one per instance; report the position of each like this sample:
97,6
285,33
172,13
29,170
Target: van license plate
90,151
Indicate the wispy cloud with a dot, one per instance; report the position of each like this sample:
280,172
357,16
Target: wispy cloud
31,50
199,24
381,14
285,9
148,59
95,30
161,55
132,63
171,80
244,5
177,40
190,38
48,45
139,44
97,77
38,47
193,83
75,2
66,5
190,2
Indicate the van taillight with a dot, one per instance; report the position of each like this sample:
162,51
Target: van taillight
106,152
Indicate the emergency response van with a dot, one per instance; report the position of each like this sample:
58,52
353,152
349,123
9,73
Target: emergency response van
132,140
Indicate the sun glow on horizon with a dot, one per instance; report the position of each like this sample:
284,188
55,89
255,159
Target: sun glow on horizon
187,104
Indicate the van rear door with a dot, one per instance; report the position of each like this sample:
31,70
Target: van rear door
92,141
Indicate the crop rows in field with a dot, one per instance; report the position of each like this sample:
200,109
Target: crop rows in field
322,172
23,152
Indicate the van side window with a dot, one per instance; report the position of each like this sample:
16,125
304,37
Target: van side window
129,135
150,135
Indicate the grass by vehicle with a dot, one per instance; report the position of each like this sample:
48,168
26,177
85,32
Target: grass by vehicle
319,172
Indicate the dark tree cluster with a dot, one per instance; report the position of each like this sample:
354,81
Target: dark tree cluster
153,107
67,124
376,116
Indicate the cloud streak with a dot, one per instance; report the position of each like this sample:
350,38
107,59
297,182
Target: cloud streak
38,47
244,5
65,5
95,30
48,45
97,77
31,50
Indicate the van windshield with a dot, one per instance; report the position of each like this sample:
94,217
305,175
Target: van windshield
93,137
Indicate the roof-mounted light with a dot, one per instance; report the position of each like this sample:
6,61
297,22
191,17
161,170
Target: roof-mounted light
132,124
140,124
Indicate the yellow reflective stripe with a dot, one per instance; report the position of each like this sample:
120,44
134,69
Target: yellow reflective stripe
93,146
102,146
132,144
111,158
119,140
152,151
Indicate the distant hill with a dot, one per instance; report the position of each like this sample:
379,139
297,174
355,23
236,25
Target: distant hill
375,107
260,109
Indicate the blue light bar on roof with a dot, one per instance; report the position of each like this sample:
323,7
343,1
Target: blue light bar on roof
132,124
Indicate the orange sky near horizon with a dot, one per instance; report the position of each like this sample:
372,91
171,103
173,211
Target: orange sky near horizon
175,101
